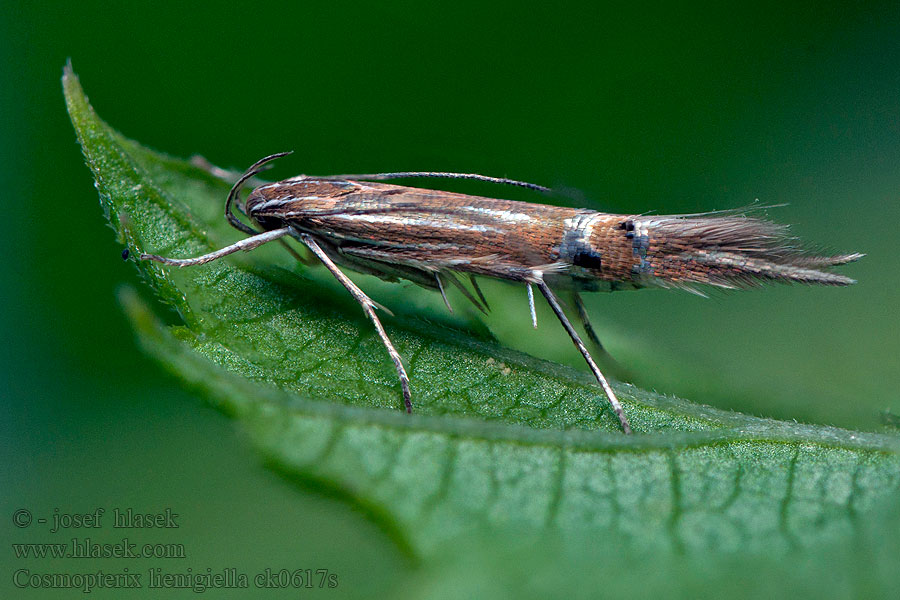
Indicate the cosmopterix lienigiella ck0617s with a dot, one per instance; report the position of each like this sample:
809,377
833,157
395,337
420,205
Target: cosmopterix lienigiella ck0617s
429,237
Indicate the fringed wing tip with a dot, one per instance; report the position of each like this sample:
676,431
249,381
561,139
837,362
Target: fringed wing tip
730,251
843,259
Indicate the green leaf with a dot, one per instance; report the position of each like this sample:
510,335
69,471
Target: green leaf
501,447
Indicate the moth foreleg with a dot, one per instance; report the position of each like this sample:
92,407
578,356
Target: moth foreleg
245,244
614,402
368,306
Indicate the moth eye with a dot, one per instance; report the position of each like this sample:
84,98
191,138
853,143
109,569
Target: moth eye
267,222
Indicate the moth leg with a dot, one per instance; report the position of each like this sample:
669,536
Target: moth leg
531,305
305,260
588,328
614,402
368,306
455,281
437,277
478,291
622,373
245,244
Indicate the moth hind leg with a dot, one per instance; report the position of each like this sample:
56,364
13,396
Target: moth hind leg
586,322
621,372
576,339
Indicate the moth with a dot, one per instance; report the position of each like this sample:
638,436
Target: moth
430,236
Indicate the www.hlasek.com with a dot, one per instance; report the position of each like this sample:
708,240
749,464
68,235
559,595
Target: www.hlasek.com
198,581
87,548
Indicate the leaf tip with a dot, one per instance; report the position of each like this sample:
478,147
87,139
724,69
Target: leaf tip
72,89
68,72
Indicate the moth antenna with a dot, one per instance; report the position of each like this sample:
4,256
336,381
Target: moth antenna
236,189
444,175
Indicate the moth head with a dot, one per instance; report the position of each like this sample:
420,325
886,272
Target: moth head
236,190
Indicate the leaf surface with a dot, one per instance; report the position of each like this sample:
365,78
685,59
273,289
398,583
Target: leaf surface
501,446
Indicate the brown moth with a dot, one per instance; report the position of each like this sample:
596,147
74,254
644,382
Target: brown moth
429,236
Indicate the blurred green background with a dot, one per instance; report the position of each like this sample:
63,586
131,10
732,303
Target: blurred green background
626,110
